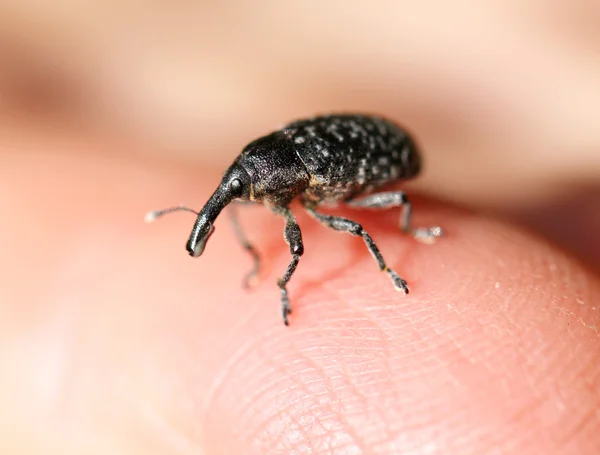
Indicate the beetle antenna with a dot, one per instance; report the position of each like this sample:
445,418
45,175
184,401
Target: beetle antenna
151,216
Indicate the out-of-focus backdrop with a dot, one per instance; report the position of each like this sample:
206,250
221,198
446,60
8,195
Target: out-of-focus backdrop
503,96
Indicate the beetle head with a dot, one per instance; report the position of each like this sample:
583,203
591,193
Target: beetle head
235,184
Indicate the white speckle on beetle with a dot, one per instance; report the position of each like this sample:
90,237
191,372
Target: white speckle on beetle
300,140
311,131
371,143
382,128
288,133
332,129
404,155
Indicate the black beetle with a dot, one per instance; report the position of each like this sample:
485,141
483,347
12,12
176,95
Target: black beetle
324,160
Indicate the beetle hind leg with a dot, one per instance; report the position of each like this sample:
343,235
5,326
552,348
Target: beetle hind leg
354,228
391,199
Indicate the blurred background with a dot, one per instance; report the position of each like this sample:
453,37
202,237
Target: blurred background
504,97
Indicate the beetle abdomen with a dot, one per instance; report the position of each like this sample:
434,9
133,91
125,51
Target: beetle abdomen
346,155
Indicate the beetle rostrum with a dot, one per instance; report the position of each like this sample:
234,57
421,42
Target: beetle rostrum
345,159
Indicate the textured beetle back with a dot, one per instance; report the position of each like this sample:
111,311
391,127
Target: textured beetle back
347,155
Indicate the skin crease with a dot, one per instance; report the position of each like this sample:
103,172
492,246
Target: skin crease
112,340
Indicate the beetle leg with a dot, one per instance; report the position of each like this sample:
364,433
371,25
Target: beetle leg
398,199
251,276
354,228
293,237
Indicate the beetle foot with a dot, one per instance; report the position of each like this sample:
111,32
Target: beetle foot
399,283
427,235
286,308
251,280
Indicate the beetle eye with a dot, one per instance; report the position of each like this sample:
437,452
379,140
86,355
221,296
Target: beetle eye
235,186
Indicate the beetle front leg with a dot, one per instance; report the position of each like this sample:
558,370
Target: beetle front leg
354,228
239,233
293,237
398,199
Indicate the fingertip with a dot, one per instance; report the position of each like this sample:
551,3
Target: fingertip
499,326
458,353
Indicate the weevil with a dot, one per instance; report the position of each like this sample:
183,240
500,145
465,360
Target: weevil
322,161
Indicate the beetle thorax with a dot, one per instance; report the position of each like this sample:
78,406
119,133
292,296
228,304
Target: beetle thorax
276,172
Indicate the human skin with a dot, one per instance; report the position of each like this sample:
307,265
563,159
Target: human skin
113,340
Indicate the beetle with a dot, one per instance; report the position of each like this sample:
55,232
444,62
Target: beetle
325,160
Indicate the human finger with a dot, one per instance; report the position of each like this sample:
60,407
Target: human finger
121,340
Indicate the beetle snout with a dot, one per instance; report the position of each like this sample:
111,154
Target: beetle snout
198,238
